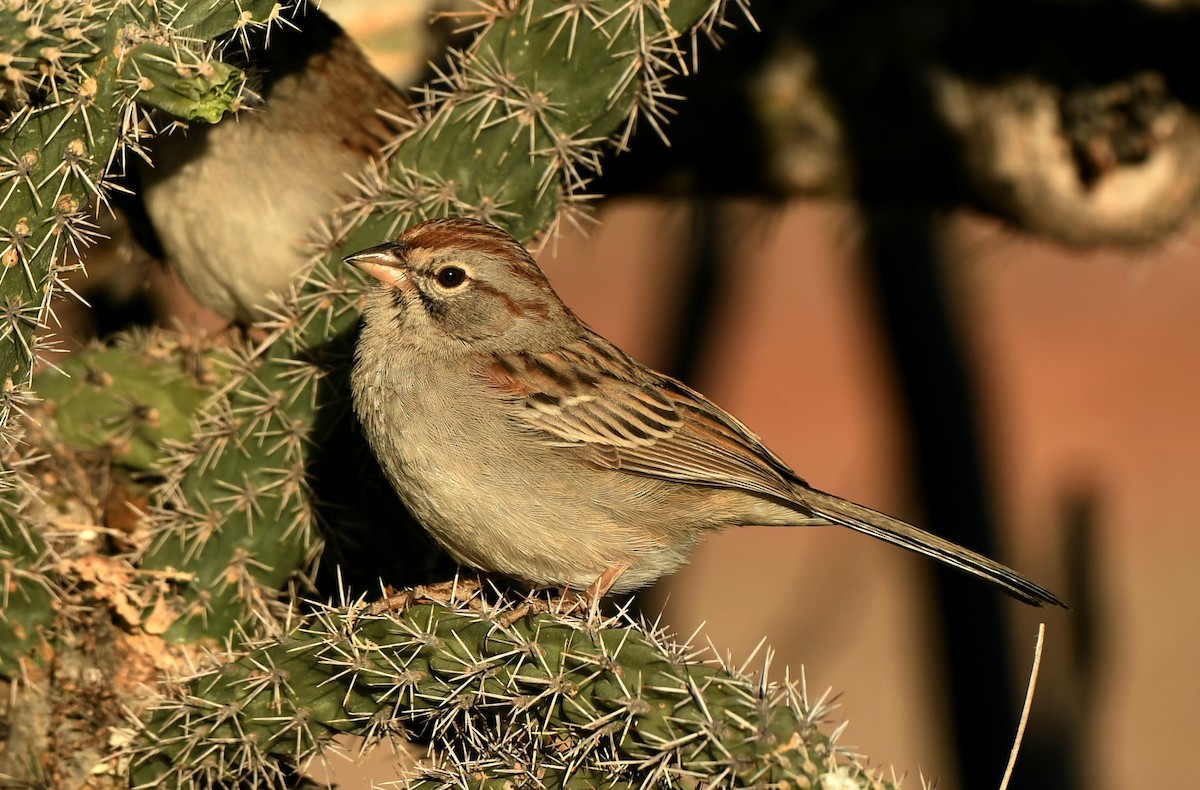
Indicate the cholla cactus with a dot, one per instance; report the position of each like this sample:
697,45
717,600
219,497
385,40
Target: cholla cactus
508,697
74,78
229,524
75,82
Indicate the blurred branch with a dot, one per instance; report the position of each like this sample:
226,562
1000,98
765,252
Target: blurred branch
1076,121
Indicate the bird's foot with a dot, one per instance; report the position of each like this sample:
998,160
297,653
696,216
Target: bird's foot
588,600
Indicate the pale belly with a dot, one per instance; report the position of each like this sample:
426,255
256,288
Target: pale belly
515,520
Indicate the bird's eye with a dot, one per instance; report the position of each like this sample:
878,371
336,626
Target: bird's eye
451,276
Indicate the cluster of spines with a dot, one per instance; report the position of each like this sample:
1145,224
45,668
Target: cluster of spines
510,133
506,696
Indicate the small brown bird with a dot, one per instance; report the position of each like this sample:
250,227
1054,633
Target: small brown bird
530,446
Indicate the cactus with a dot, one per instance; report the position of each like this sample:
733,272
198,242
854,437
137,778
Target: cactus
74,78
223,459
509,698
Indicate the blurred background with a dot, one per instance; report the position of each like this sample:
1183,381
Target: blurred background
1086,380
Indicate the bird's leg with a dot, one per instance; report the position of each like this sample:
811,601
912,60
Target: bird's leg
596,591
605,581
571,600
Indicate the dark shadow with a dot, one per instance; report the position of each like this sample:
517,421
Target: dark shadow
112,312
949,473
897,144
1067,695
702,297
371,539
718,140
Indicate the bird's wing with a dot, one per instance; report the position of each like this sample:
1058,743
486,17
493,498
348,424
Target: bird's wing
604,408
596,403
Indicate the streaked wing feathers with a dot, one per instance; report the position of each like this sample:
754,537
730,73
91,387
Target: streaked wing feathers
594,401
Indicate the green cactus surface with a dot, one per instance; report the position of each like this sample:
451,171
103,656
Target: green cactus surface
510,697
183,84
27,590
127,399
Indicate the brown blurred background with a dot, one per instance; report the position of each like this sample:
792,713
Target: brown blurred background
1088,376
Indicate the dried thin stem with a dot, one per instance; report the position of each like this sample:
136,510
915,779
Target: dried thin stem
1033,676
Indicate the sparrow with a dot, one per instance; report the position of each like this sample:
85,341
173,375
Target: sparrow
530,446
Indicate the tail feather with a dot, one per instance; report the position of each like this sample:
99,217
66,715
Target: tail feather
877,525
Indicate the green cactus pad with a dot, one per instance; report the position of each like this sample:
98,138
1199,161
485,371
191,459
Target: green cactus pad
184,85
509,698
124,400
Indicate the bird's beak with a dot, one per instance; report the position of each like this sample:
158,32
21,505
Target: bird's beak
384,262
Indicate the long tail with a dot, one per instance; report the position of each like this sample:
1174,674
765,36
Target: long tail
877,525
